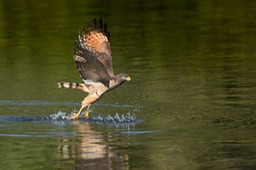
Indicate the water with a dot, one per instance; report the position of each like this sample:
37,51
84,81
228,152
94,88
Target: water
193,86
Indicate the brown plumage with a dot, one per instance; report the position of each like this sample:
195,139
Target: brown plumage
93,59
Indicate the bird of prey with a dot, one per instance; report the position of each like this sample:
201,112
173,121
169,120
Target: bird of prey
93,59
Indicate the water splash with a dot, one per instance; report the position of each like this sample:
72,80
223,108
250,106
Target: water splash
116,119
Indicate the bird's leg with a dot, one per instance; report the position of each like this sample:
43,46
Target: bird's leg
87,111
88,100
76,115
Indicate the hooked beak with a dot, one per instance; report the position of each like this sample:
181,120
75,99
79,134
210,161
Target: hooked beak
128,78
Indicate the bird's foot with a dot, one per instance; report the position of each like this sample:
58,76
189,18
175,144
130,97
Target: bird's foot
87,115
75,116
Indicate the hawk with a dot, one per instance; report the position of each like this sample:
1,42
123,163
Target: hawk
93,60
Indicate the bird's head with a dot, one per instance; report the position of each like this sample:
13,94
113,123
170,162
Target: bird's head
123,77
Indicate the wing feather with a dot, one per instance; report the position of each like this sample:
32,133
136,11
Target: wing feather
93,56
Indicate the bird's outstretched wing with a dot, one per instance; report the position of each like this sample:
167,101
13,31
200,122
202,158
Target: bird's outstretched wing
93,53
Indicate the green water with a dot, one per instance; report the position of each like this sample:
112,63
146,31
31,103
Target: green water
193,70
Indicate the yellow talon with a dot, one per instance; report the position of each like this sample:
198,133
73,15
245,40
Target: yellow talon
87,112
87,115
75,116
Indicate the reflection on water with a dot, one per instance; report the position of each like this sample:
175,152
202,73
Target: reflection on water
77,143
192,65
91,152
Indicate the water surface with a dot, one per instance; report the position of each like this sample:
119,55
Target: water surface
193,84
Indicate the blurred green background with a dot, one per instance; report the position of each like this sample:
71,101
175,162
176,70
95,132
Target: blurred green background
193,84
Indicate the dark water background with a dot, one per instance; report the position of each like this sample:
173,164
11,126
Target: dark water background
193,69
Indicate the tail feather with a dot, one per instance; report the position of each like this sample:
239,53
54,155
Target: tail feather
78,86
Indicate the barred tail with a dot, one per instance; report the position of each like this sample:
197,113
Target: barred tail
78,86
